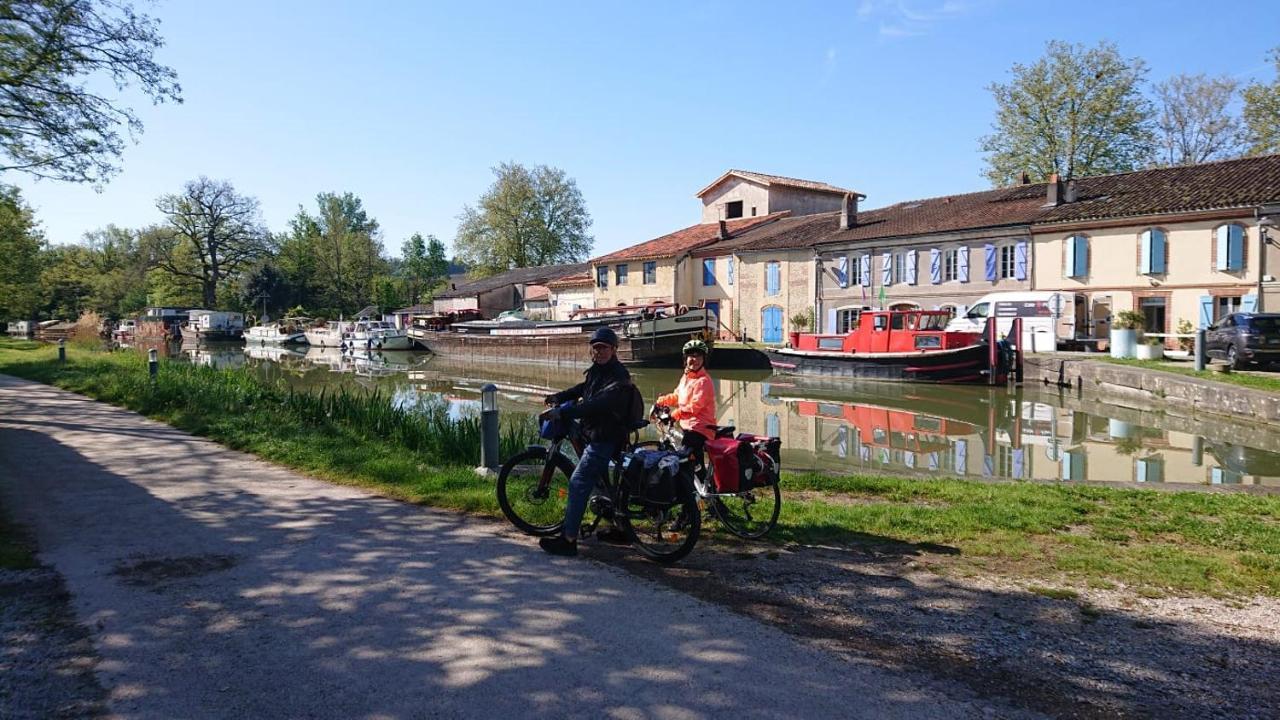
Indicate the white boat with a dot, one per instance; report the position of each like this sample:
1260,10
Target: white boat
377,335
328,336
213,325
286,331
274,353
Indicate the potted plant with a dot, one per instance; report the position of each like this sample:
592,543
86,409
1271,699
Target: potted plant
1152,349
1186,344
1125,328
801,322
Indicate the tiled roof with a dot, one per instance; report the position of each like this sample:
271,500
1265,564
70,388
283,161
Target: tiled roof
519,276
572,281
764,179
536,292
682,241
987,209
1210,186
1239,184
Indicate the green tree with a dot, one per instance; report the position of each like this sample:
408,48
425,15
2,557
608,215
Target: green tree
423,265
264,289
1262,112
340,246
55,122
1076,111
64,282
115,263
21,248
211,233
527,218
1195,122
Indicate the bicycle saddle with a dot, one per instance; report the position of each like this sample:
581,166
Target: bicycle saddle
723,431
637,426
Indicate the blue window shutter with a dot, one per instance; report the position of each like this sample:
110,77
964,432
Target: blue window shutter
1020,260
1223,238
1249,303
935,266
864,266
729,274
709,271
1069,262
1082,256
990,251
1144,252
842,271
962,457
1235,247
1206,310
912,263
1018,459
886,269
1159,249
962,263
772,279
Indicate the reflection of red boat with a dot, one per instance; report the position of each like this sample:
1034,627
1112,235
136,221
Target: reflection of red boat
895,429
910,345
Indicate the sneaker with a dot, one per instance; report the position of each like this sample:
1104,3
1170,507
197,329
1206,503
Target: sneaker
613,536
558,545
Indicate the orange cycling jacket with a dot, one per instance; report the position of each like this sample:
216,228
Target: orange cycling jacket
693,403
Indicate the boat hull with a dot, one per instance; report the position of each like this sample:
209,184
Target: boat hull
549,349
962,365
380,342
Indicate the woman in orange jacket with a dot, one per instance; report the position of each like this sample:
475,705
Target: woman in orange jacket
693,404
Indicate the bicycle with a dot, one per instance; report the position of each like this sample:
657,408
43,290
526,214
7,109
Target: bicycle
533,489
750,514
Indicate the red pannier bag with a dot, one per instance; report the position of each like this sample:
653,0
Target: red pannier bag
723,453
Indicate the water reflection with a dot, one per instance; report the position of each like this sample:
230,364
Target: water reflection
832,426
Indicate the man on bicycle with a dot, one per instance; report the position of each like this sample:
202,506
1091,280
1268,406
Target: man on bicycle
693,404
603,397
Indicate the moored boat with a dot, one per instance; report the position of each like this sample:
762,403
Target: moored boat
376,335
284,332
213,325
898,345
329,335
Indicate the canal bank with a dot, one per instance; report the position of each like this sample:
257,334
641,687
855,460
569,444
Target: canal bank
1150,389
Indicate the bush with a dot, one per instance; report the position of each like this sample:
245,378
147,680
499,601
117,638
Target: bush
1129,320
1185,327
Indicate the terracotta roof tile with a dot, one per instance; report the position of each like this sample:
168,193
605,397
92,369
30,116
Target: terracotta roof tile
765,179
519,276
572,281
686,240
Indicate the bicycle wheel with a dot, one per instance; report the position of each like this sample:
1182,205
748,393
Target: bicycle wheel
750,514
662,533
531,505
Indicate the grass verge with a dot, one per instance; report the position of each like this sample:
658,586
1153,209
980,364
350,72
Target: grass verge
1256,382
1156,543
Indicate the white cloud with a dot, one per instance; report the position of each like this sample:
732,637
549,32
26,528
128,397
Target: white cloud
911,18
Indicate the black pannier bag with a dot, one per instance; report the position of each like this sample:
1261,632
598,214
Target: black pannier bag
759,460
651,476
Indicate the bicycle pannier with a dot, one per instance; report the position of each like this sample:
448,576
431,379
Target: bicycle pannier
650,475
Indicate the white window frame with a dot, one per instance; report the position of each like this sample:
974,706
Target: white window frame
847,319
1007,263
950,264
899,268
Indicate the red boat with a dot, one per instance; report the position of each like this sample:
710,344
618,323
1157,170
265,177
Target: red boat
902,345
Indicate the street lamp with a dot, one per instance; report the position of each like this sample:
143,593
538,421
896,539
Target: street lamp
489,426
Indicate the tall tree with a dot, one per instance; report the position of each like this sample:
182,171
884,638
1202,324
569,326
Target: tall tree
342,247
423,264
1196,122
58,56
528,217
1076,111
211,233
21,245
114,264
1262,112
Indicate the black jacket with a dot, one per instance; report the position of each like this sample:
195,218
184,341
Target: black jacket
604,396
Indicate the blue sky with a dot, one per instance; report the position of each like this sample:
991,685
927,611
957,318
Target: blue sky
409,105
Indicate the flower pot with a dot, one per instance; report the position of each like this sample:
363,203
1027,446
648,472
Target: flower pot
793,338
1150,352
1124,343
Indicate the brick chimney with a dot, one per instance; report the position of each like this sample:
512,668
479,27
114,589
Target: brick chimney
1069,196
1056,191
1025,179
723,233
849,211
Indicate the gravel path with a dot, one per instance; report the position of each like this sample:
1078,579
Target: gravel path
214,585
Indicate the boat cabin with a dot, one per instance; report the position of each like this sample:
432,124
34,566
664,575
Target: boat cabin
891,331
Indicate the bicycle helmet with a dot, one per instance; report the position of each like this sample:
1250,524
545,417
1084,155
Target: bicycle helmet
696,345
604,335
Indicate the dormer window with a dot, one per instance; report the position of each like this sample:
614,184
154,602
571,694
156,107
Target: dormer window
733,210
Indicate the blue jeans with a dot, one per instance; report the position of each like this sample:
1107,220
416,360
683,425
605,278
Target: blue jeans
593,464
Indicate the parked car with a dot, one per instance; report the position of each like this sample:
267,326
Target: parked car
1245,338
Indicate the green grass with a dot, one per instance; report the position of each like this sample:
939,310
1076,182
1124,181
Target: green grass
1056,536
1257,382
15,547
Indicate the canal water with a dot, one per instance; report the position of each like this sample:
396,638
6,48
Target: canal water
829,425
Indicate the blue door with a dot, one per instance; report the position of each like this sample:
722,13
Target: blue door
714,307
771,324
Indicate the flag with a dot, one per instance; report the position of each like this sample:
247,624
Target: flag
864,293
882,297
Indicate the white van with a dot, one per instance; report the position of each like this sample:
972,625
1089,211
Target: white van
1050,320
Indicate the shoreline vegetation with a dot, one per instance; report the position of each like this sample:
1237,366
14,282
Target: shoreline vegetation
1268,383
1143,541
